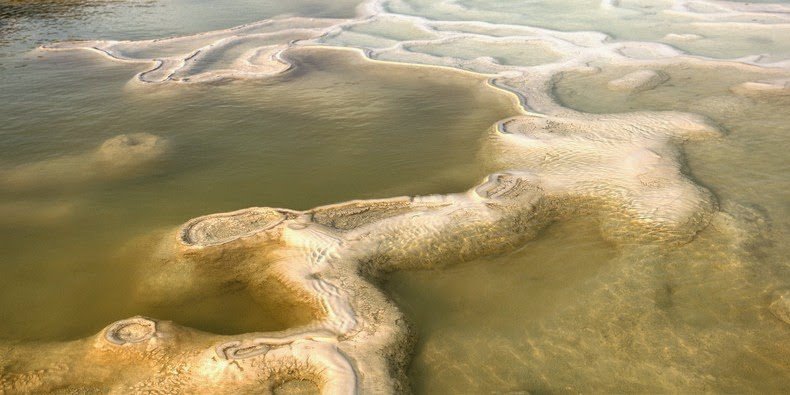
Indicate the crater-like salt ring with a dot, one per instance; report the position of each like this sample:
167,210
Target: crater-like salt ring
132,330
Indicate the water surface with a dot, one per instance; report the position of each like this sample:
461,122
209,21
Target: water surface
321,134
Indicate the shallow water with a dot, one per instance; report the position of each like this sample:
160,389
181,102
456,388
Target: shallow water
24,24
573,310
315,136
688,318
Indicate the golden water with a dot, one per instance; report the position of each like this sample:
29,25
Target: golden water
323,134
566,312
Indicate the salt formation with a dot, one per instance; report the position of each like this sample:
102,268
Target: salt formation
327,256
682,37
117,157
248,51
624,168
38,213
763,89
781,307
638,81
126,152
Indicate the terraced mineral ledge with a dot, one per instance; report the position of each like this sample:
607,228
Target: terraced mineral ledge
624,169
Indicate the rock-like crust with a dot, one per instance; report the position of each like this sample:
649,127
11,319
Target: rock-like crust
132,330
350,215
221,228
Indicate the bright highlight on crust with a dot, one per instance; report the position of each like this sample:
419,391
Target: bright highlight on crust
624,168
